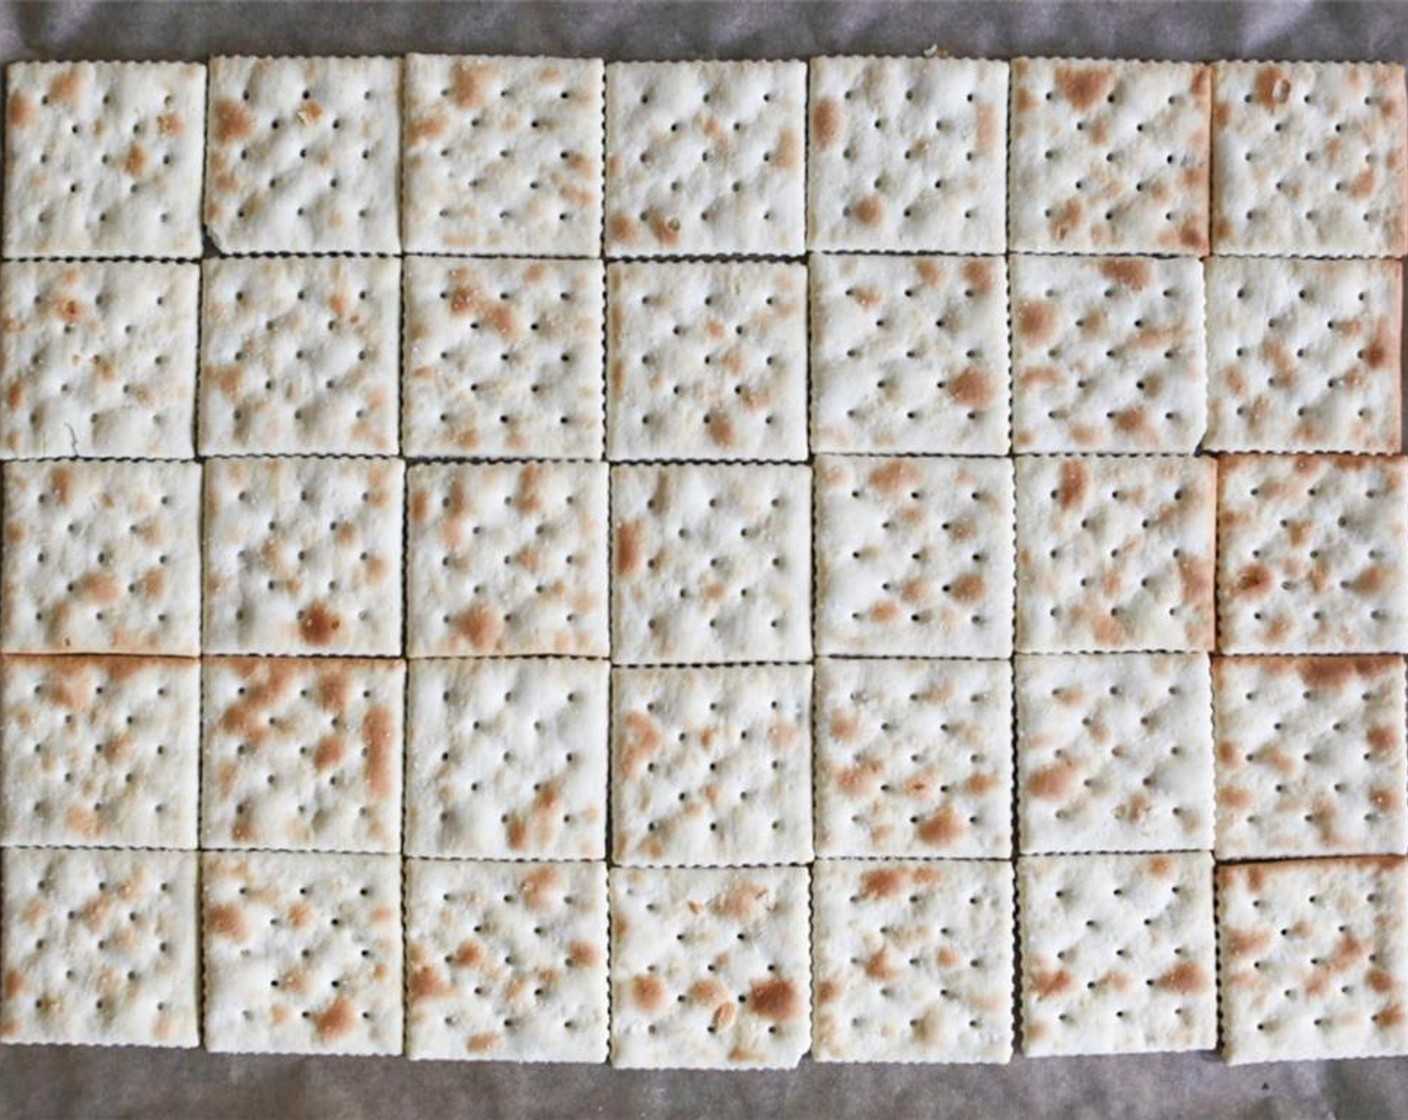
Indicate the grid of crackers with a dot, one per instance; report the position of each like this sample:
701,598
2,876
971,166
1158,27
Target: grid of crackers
698,564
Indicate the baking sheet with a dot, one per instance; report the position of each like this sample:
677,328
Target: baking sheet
55,1082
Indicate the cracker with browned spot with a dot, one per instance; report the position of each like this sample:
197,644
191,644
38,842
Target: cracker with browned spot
103,159
1312,554
502,155
503,358
1107,354
909,355
1114,752
302,953
1118,953
913,961
298,356
710,967
101,560
705,158
1115,554
506,559
1313,959
1309,159
97,358
303,555
1304,355
1310,756
1109,156
706,360
506,961
506,758
99,751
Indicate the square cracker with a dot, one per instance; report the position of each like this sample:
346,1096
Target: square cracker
707,360
503,358
947,116
913,758
909,355
1118,953
1115,555
101,559
1312,554
1309,159
99,948
506,758
476,180
914,961
914,556
303,555
711,766
298,355
97,359
1109,157
99,751
507,559
1313,959
705,158
710,967
103,159
506,961
302,754
302,953
711,563
1108,354
1114,752
302,155
1310,756
1304,355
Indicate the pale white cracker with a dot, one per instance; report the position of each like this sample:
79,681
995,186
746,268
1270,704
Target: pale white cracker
705,158
502,155
1304,355
710,563
710,967
1310,756
302,754
914,556
97,358
99,751
99,948
302,953
507,559
503,358
103,159
914,961
506,758
913,758
1115,554
101,560
302,155
1114,752
909,355
712,765
303,555
1309,159
506,962
298,356
1109,157
907,154
1313,959
707,360
1118,953
1108,354
1312,554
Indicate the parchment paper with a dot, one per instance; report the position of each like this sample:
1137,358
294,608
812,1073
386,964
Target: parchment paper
80,1081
